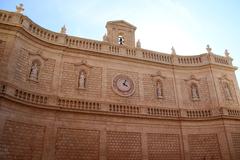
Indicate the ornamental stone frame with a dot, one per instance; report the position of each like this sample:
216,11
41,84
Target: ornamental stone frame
85,69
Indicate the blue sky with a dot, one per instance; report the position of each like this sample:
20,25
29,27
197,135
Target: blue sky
188,25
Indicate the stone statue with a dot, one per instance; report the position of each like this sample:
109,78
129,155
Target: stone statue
19,8
82,80
159,90
194,91
173,50
138,44
63,30
209,50
226,53
227,92
34,72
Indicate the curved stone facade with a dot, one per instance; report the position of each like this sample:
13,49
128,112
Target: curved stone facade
65,97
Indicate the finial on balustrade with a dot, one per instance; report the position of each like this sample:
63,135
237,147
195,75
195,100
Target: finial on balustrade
209,50
138,44
19,8
173,51
226,53
63,29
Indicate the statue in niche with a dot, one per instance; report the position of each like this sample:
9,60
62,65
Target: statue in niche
34,71
194,91
227,91
159,90
82,80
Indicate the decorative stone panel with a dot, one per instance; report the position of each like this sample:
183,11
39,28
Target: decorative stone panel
203,101
232,99
23,67
236,144
204,146
21,141
70,80
123,145
77,144
149,85
163,146
3,58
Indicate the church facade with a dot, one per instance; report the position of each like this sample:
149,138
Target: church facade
65,97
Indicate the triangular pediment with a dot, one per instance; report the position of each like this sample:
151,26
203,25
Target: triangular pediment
121,23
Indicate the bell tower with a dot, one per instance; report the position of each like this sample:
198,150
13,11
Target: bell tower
120,33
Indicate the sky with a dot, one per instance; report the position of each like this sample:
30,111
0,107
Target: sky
188,25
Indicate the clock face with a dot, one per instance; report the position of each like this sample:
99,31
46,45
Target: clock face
123,85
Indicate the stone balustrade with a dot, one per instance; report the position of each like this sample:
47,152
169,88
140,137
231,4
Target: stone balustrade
124,109
15,19
199,113
5,17
190,60
76,42
30,97
42,33
163,112
77,105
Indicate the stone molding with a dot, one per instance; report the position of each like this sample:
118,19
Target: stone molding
32,99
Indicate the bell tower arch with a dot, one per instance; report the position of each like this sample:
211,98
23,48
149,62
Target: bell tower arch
120,33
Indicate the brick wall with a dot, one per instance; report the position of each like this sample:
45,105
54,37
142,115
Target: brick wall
21,141
77,144
163,146
204,146
236,144
123,146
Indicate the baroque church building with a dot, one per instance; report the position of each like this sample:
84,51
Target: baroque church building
70,98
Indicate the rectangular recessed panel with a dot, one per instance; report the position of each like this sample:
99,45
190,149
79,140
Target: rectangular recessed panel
236,144
204,146
163,146
22,141
124,146
77,144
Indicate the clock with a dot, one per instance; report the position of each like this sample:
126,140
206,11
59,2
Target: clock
123,85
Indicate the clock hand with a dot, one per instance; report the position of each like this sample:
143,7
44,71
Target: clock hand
125,83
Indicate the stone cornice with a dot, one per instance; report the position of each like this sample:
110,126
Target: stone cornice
71,42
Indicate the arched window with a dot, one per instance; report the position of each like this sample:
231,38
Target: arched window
194,92
159,89
120,40
227,91
82,79
34,70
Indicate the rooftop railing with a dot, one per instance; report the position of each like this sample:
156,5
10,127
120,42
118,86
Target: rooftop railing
16,19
